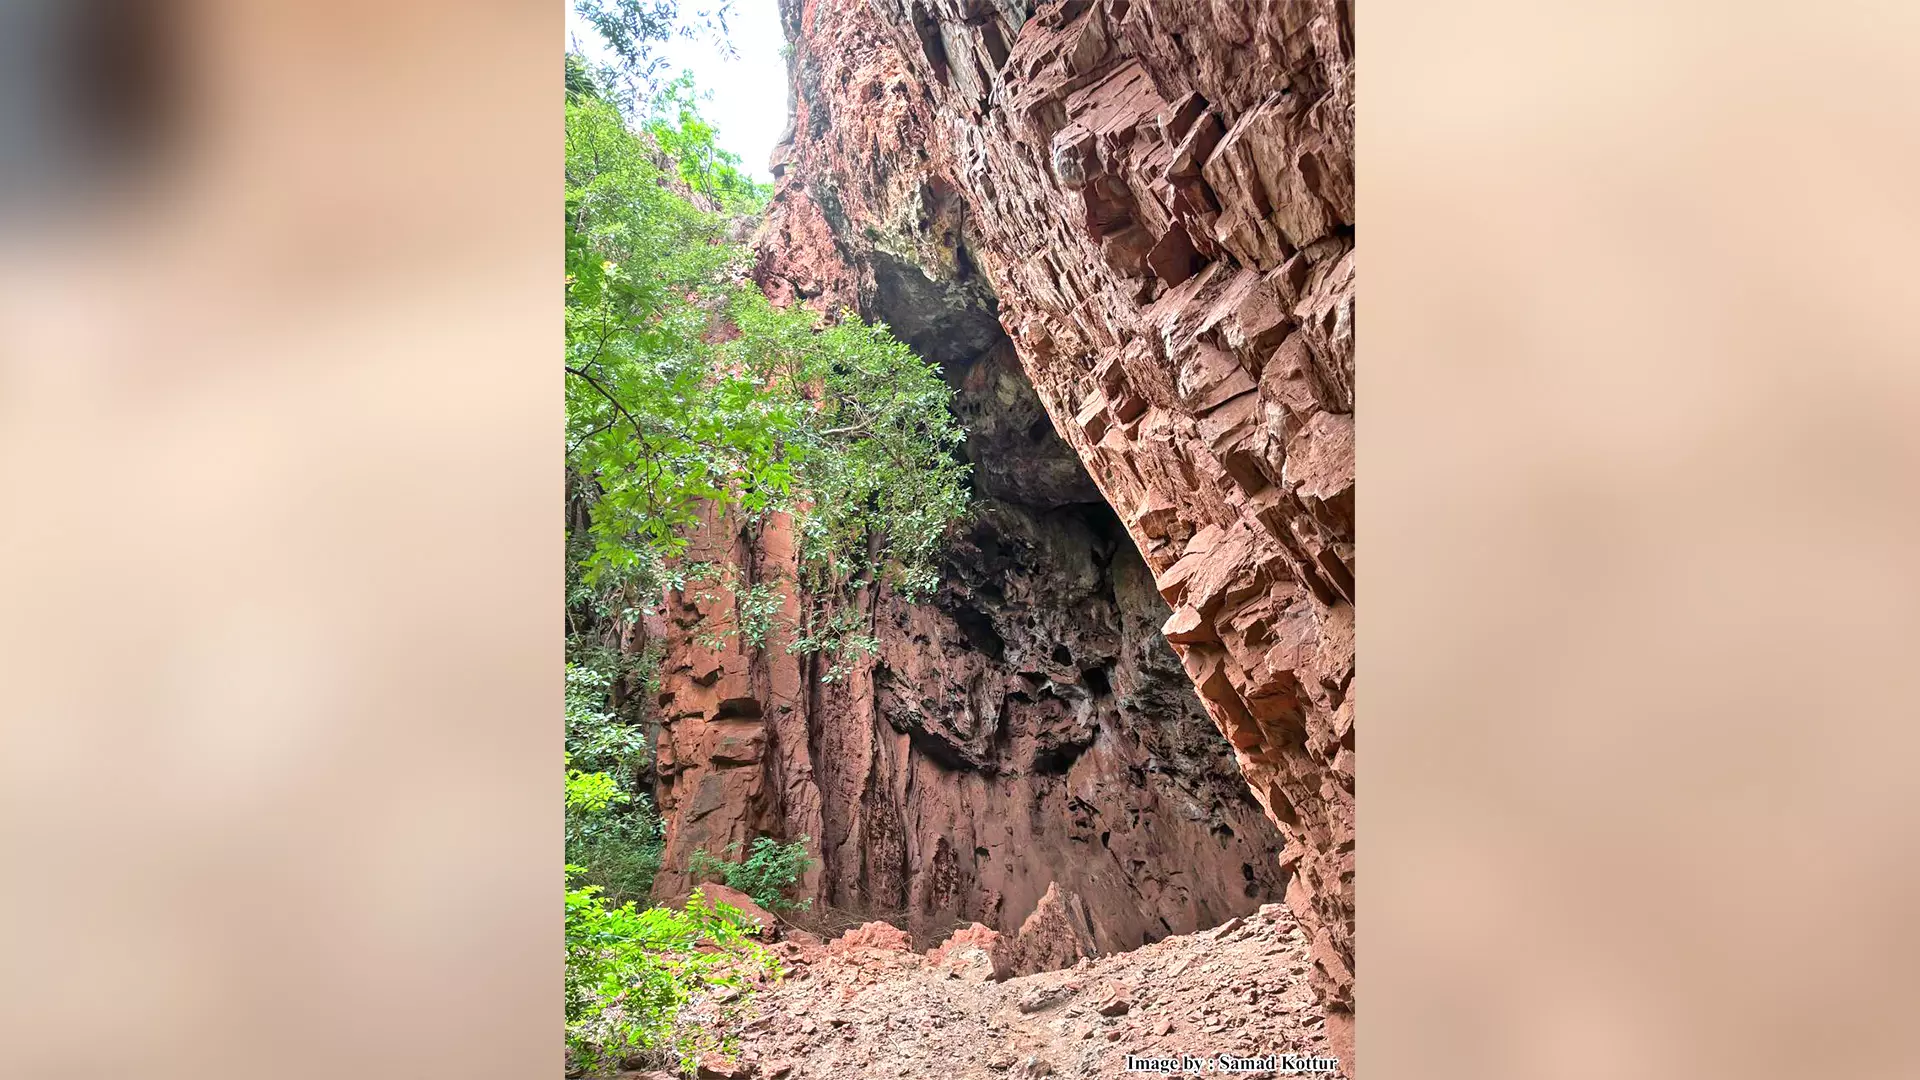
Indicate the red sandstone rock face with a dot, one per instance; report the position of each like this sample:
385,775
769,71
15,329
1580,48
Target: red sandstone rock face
1160,197
1027,728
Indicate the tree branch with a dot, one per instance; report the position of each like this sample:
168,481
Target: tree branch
582,441
605,393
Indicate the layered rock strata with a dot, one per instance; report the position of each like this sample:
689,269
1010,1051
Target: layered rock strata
1160,197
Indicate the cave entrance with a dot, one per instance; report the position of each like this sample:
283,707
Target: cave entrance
1053,739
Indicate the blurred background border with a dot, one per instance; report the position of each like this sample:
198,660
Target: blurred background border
279,540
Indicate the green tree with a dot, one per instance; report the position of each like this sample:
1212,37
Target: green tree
630,972
633,29
686,388
613,832
679,130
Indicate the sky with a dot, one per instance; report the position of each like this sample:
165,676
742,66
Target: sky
749,105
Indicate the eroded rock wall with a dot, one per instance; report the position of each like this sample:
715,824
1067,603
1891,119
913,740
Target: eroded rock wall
1159,196
1026,729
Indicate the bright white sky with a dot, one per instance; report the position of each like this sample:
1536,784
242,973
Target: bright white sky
749,105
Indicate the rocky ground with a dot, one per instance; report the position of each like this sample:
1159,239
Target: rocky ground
866,1006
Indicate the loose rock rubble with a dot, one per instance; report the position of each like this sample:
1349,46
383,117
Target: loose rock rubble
866,1006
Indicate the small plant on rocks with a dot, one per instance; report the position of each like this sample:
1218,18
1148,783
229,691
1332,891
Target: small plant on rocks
630,973
768,871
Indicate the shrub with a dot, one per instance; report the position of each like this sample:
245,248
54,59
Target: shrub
630,973
613,838
768,871
613,829
596,739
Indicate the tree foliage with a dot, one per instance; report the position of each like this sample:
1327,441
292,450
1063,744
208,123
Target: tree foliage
631,30
686,388
680,132
613,832
686,391
630,972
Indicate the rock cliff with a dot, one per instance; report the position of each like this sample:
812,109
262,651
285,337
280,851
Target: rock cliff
1159,196
1028,729
1125,229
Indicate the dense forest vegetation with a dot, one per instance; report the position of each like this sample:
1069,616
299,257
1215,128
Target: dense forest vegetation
832,421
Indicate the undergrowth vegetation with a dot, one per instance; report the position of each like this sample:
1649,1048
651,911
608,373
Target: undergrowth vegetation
631,971
612,831
690,398
769,869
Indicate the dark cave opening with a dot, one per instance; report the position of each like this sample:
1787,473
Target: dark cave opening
979,631
1059,621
